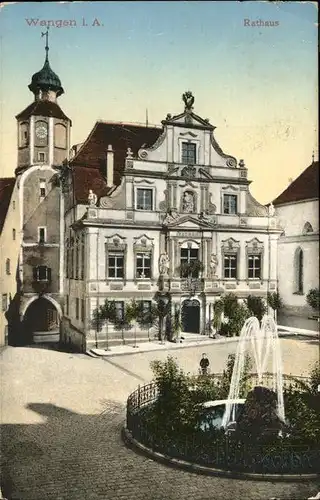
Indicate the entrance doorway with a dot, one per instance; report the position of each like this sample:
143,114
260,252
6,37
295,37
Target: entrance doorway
41,321
190,316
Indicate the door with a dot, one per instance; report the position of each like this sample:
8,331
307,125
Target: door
190,316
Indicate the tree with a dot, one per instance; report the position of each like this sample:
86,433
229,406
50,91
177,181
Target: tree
176,323
256,306
163,306
235,314
313,299
218,308
103,315
274,301
148,318
133,310
124,322
230,303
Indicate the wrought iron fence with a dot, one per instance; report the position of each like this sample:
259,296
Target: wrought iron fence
202,448
147,394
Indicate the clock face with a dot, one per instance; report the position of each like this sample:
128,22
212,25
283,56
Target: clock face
41,132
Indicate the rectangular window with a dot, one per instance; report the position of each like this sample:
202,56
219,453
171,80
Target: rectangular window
42,273
187,256
188,153
4,301
144,199
42,188
119,305
116,265
230,266
41,157
41,234
143,265
13,234
145,306
254,266
82,309
77,308
230,204
67,305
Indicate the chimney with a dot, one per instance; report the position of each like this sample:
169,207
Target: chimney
110,166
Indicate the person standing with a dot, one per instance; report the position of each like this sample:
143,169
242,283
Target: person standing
204,364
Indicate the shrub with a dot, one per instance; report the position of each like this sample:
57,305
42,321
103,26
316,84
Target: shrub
230,303
236,322
256,306
274,301
174,407
313,298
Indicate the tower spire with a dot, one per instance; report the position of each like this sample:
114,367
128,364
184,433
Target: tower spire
46,34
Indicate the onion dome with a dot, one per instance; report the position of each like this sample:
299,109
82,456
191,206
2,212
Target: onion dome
46,79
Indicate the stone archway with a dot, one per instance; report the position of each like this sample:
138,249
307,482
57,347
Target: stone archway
190,316
41,321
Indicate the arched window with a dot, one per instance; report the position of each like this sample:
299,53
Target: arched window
8,266
60,136
307,228
299,271
23,134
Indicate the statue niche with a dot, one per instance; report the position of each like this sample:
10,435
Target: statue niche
188,202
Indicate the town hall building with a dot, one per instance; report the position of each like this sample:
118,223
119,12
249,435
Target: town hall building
131,213
142,206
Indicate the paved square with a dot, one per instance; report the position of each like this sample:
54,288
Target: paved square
61,419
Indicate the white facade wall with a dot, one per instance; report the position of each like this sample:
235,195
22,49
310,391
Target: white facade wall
206,227
293,217
10,244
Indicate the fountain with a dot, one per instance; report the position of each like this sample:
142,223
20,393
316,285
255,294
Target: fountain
264,343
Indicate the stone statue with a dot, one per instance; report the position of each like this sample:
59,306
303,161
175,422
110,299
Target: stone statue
171,217
271,210
188,203
188,100
129,153
259,419
164,263
92,198
213,264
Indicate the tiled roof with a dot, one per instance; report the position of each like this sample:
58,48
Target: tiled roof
6,188
85,178
304,187
92,154
42,108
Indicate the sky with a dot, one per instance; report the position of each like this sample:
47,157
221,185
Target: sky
256,84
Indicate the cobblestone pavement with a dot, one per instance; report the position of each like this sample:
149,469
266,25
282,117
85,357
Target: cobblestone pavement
60,438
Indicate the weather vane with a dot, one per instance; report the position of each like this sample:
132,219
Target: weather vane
46,34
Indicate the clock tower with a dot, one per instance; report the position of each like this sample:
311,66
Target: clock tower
43,128
43,145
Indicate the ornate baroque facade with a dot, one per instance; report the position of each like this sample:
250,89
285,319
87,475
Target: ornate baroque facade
142,204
